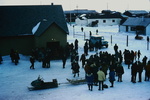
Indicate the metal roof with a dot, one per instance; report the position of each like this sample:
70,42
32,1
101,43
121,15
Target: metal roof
20,20
137,22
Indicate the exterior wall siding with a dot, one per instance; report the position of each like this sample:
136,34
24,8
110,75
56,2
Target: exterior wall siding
148,30
52,34
23,44
103,21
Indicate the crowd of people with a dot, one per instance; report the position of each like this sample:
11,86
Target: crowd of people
96,66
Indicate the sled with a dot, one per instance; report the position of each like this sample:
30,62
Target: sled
137,37
40,84
76,81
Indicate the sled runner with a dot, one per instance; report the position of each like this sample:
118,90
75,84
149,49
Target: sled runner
40,84
76,81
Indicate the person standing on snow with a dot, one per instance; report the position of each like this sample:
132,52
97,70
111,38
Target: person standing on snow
32,60
75,67
139,54
116,48
90,79
120,72
101,79
76,45
147,71
82,29
64,59
140,70
133,72
112,77
82,59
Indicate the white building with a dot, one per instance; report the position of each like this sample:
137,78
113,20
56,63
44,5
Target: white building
98,19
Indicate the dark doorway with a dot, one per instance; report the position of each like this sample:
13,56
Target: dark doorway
55,49
53,45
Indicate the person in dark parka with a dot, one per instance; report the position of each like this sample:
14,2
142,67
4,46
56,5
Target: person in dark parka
64,58
12,55
16,57
90,79
112,77
133,72
76,45
82,59
147,71
140,70
116,48
120,72
75,67
32,60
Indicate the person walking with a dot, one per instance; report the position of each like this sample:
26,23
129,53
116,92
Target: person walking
90,80
112,77
101,79
32,60
64,59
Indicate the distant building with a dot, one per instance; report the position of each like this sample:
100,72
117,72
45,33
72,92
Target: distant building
135,13
24,28
71,15
107,17
136,25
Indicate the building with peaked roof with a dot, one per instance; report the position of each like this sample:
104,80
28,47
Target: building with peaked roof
26,27
136,25
135,13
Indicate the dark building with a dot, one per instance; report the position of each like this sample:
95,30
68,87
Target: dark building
24,28
135,13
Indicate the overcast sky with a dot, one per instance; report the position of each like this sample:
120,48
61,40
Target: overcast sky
98,5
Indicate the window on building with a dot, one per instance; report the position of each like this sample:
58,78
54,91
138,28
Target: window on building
104,21
133,28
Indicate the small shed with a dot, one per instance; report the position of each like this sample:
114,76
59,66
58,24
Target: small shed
136,25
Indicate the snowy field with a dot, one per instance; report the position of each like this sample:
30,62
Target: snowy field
14,80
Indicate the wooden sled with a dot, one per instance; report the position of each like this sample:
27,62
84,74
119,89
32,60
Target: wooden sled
76,81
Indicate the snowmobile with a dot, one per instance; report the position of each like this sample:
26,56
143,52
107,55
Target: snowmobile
39,84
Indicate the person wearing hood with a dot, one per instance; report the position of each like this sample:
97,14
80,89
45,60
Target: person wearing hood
112,77
90,79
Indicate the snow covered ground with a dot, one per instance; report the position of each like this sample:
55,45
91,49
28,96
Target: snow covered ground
14,80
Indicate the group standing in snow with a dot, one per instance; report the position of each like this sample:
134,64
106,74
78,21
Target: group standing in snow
96,67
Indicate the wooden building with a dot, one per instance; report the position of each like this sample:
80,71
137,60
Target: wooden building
24,28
